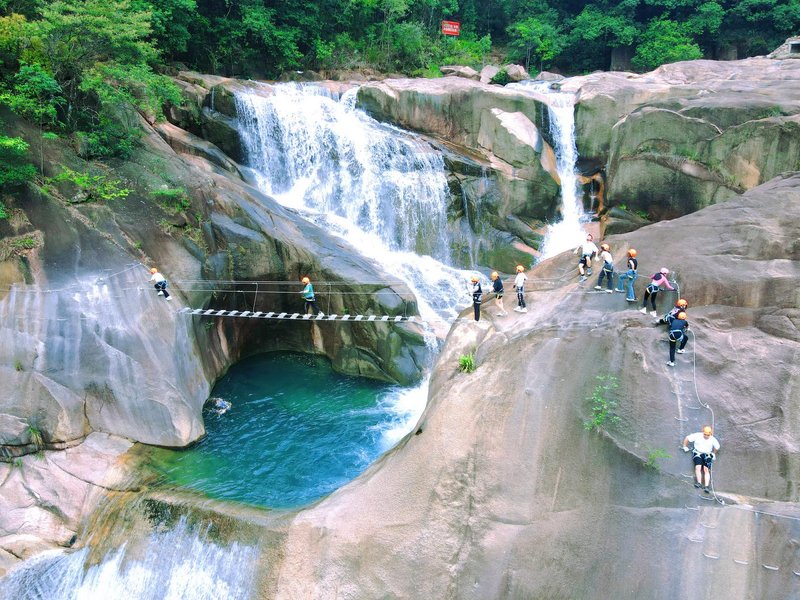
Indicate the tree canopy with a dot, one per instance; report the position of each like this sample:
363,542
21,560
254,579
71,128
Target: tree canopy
71,65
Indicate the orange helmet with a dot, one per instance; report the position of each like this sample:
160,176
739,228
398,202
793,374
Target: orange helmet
474,279
605,247
707,430
495,275
681,315
306,279
682,303
520,268
154,270
631,252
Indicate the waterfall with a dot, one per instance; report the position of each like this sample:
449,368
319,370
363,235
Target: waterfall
377,186
179,564
568,233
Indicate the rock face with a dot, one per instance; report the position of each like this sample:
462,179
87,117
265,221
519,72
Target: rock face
689,134
502,473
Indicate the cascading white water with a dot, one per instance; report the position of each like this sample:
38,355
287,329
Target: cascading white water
568,233
174,565
375,185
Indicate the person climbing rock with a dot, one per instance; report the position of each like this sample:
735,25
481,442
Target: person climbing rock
680,306
608,269
677,335
160,283
588,251
704,449
629,276
656,281
519,286
497,288
477,295
308,296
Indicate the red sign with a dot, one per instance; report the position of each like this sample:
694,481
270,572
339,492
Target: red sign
451,27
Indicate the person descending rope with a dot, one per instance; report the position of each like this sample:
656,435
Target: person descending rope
497,288
704,448
656,281
477,294
607,270
160,283
519,286
588,251
629,276
308,296
677,333
680,306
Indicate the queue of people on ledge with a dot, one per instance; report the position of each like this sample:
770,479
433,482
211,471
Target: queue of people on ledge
675,320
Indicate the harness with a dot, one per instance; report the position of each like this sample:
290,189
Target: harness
706,458
652,288
675,335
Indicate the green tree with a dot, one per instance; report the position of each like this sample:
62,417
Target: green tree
535,39
14,166
665,41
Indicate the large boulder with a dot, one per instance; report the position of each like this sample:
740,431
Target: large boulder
491,484
689,134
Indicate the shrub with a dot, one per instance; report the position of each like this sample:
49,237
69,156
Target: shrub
653,456
602,403
501,77
96,188
175,200
3,211
466,363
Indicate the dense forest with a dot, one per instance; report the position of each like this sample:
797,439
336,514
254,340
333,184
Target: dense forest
67,66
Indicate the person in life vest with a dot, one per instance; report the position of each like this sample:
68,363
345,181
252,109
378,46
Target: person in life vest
519,286
497,288
587,250
477,295
607,270
160,283
704,449
656,281
677,335
629,276
308,296
680,306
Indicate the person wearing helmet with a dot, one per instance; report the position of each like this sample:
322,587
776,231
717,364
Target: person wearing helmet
588,251
680,306
477,295
629,276
607,270
308,296
656,281
677,334
160,283
704,449
519,286
497,288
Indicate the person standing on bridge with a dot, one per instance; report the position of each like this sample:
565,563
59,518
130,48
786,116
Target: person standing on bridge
477,295
519,286
588,251
160,283
308,296
497,288
705,447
